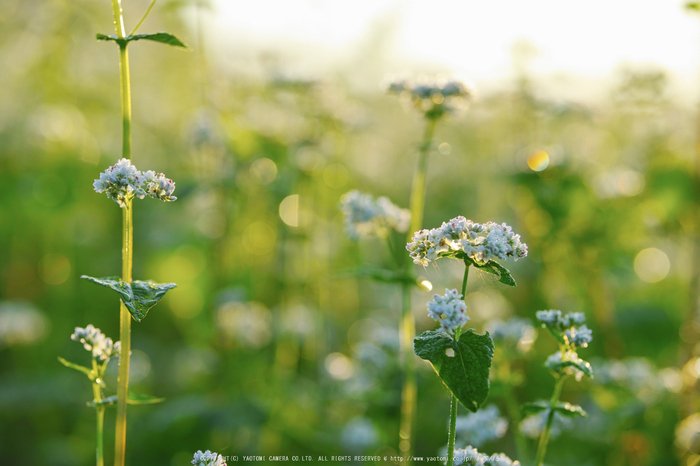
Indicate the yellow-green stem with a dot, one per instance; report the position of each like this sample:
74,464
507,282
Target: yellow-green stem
126,100
408,324
100,411
125,338
544,438
138,25
118,18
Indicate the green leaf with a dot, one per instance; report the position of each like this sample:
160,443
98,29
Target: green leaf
162,37
563,408
580,364
462,366
132,399
495,268
139,296
77,367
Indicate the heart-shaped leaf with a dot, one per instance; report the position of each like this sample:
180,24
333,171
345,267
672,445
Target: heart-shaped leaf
138,296
162,37
463,366
563,408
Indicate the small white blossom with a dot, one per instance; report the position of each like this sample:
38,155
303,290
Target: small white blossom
122,182
93,340
471,457
208,458
480,242
365,215
580,336
433,96
551,318
449,310
481,426
533,425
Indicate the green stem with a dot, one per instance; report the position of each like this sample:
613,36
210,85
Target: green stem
125,338
544,438
417,205
100,410
408,324
126,100
452,432
454,403
138,25
118,18
514,414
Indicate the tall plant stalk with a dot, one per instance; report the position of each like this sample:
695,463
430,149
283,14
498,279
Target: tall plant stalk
544,437
408,324
100,410
127,244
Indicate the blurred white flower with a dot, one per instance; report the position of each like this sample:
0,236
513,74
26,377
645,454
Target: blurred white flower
93,340
433,96
449,310
365,215
247,324
533,425
480,242
20,323
471,457
482,426
516,333
208,458
358,435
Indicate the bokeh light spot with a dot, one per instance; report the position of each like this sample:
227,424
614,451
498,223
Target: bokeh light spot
630,183
538,160
444,148
652,265
264,170
425,284
189,301
289,210
339,366
335,175
259,238
54,269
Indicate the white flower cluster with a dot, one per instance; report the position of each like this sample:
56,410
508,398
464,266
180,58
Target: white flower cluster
515,333
482,426
365,215
208,458
471,457
433,96
94,340
533,425
122,182
480,242
571,327
449,310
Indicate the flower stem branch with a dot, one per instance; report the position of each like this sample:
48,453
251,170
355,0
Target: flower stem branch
138,25
544,438
100,410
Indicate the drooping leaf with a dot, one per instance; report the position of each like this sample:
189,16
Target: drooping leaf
139,296
580,364
563,408
162,37
463,366
132,399
494,268
77,367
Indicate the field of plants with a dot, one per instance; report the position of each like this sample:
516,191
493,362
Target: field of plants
306,290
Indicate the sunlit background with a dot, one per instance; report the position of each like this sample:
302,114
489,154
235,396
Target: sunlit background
582,137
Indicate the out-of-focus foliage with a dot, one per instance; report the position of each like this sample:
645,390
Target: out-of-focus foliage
268,345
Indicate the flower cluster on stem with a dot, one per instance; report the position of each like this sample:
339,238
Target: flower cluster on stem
208,458
449,310
93,340
459,238
471,457
433,96
365,215
122,182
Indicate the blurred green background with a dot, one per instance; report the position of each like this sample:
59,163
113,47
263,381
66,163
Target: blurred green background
269,346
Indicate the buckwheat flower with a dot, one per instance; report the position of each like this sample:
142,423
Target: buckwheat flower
461,237
208,458
157,186
573,318
471,457
550,318
579,336
433,96
365,215
449,310
121,182
93,340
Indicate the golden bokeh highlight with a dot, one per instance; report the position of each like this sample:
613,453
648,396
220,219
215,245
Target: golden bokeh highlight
54,269
289,210
339,366
538,160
